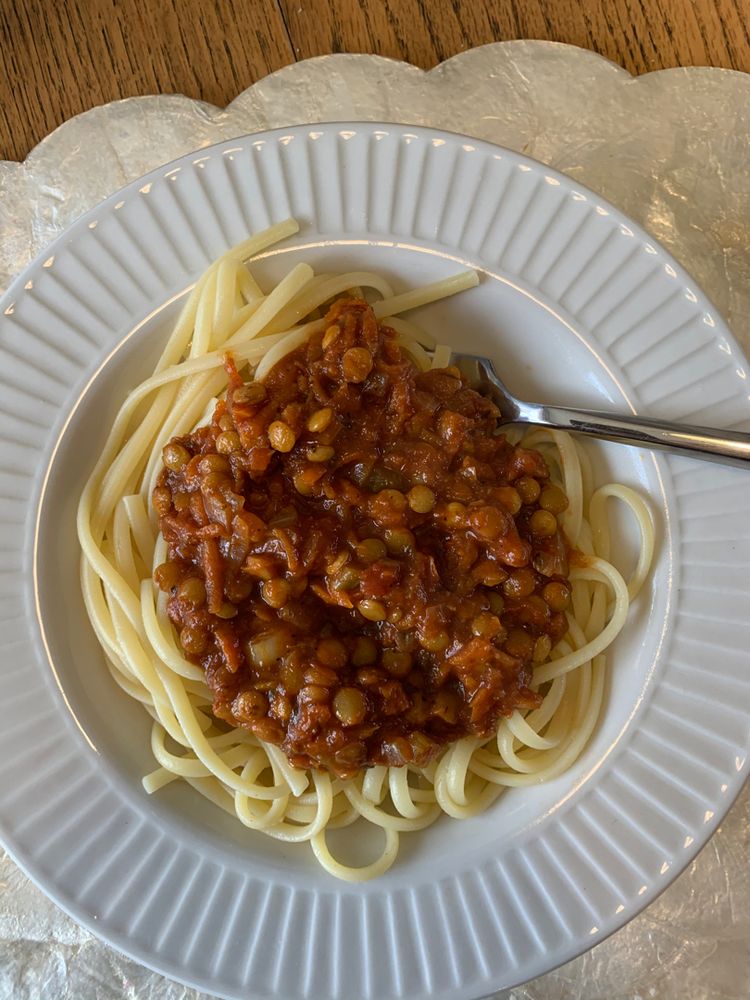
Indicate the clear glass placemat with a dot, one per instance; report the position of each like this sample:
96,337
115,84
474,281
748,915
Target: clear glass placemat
672,150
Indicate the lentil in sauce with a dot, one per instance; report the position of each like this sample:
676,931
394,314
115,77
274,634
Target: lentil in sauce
363,567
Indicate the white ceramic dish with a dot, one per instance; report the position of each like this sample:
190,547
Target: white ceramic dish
576,304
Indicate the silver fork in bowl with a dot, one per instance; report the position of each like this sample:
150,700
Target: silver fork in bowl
728,447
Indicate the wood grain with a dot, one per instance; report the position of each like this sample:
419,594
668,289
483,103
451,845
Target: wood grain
58,59
641,35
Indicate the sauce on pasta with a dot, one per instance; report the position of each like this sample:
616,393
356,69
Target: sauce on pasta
364,570
358,569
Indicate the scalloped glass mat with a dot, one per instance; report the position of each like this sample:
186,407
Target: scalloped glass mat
670,150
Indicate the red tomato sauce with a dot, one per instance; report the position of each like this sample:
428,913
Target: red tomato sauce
363,567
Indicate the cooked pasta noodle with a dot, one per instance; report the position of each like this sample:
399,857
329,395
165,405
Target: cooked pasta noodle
121,546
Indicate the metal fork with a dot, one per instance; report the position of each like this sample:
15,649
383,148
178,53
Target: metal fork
729,447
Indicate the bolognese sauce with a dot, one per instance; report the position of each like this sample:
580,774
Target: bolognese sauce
363,567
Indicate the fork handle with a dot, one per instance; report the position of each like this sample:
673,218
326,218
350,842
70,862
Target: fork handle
728,447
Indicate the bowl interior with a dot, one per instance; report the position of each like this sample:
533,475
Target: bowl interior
542,357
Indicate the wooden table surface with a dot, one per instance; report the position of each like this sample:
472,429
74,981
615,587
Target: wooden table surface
58,59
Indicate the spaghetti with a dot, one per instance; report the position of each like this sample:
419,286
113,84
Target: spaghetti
252,778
